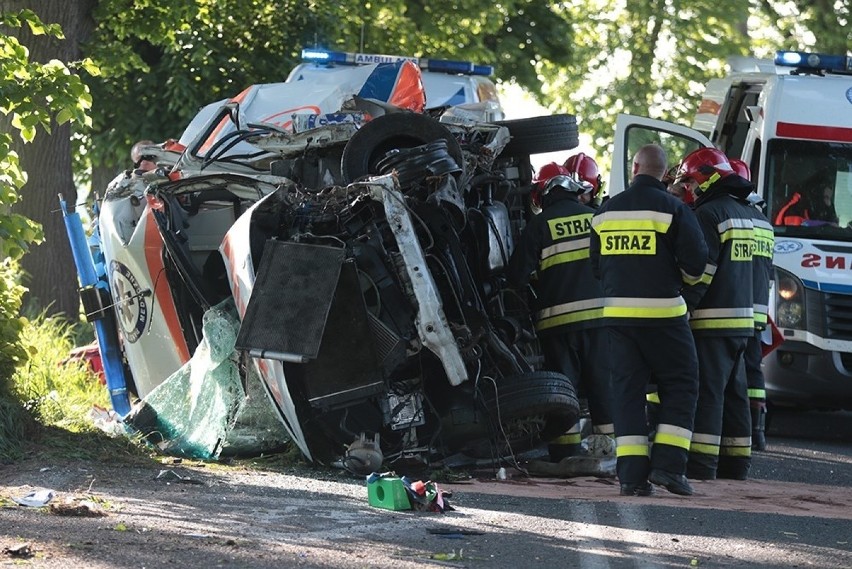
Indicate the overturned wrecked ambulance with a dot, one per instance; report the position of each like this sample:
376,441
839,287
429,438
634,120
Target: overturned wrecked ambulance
356,239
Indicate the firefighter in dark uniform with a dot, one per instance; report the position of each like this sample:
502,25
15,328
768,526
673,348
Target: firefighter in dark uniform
722,317
764,245
645,245
555,245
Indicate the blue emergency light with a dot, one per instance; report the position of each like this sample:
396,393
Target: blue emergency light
436,65
814,61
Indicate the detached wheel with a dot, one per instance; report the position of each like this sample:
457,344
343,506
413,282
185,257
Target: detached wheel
372,141
528,409
538,135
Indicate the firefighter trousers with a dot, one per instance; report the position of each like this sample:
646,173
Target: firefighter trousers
581,355
666,353
721,442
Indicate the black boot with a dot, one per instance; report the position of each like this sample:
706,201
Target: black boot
758,427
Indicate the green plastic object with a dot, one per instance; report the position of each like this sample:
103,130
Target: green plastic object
388,493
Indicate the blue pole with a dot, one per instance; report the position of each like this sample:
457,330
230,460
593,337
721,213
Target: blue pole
105,329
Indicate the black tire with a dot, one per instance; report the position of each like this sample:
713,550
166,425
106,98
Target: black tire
538,135
388,132
534,393
540,394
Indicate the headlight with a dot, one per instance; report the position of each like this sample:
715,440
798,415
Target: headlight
789,314
789,300
788,288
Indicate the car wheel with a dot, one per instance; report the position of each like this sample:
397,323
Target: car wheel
538,135
529,408
372,141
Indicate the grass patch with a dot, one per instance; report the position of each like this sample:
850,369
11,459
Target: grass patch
57,392
59,396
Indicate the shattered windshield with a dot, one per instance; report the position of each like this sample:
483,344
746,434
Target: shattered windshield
809,188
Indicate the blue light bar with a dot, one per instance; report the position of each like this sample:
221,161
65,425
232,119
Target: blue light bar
814,61
437,65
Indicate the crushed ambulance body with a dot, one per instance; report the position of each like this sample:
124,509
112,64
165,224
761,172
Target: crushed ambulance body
790,120
359,237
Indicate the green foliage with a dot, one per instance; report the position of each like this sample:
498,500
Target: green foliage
161,62
56,391
14,421
32,95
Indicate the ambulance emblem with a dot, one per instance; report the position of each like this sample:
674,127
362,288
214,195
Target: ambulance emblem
787,246
131,306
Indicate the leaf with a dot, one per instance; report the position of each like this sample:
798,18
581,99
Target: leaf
120,526
64,115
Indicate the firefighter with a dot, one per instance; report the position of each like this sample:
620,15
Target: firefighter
645,244
764,245
555,245
653,397
722,316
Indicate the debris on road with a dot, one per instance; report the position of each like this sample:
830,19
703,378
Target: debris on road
36,498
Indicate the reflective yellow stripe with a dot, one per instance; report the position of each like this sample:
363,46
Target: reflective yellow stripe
736,451
644,312
709,273
742,234
647,220
671,440
564,258
631,450
574,317
673,435
573,439
720,323
760,318
754,393
702,448
652,397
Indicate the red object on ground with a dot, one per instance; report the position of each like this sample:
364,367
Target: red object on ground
91,354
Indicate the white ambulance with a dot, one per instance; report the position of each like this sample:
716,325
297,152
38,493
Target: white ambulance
791,121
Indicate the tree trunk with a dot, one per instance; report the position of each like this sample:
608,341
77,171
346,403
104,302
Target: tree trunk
51,274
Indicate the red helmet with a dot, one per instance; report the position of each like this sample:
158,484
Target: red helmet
586,170
706,166
741,169
544,174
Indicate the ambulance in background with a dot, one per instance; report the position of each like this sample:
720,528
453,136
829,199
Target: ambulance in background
791,120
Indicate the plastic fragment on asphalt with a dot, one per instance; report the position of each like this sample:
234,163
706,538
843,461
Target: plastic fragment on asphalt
172,476
36,498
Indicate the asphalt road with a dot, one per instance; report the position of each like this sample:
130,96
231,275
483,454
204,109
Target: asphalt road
796,511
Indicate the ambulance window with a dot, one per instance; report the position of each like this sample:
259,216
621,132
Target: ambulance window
808,185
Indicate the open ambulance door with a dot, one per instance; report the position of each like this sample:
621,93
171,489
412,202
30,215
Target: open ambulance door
632,132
